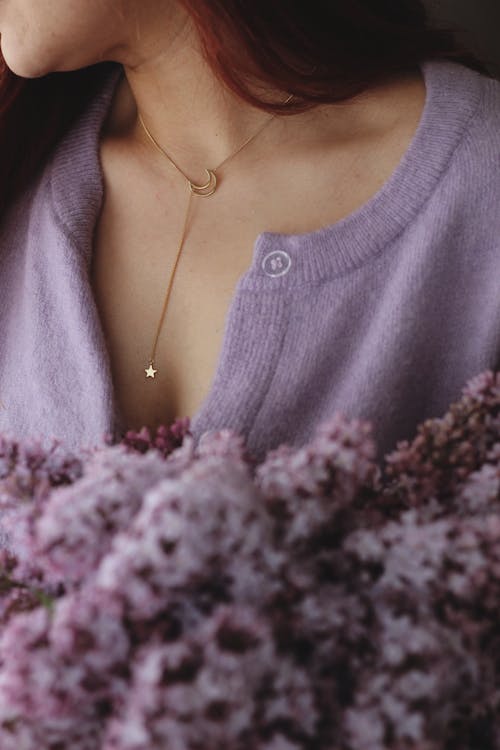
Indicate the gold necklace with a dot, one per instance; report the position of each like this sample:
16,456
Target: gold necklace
202,191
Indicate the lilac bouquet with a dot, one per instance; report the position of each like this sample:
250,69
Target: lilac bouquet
158,595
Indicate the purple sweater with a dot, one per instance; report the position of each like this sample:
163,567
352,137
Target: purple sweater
383,315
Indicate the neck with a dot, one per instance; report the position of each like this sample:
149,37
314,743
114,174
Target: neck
192,116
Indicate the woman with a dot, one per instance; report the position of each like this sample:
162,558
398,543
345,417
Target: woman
253,214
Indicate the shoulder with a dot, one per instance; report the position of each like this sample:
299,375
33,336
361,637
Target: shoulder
474,99
457,145
480,149
465,128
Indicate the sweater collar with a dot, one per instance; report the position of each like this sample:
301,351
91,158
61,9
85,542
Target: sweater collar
452,97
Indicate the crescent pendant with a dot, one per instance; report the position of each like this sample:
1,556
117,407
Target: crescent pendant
205,190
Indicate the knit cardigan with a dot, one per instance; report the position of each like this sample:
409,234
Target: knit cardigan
383,315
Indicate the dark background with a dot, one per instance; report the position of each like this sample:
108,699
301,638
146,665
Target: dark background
477,23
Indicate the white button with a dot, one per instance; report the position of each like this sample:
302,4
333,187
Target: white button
276,263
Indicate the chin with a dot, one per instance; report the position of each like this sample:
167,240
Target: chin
25,62
21,65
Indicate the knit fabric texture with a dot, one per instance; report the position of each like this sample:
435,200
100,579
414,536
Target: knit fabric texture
382,316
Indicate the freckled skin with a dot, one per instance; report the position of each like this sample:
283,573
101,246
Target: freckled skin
43,36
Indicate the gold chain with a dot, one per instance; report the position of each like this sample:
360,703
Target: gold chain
203,191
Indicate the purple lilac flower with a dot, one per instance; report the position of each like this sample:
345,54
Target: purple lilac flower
165,440
222,687
205,532
78,523
446,450
181,596
62,672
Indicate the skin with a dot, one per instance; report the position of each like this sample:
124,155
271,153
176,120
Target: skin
167,79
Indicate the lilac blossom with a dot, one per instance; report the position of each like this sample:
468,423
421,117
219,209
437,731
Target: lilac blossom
206,532
160,593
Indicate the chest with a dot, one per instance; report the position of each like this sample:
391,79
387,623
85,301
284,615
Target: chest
134,256
132,265
136,242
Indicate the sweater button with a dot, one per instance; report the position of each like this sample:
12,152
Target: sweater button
276,263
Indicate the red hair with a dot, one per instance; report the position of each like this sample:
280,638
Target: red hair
322,51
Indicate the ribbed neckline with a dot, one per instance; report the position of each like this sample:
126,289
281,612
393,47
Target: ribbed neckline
452,97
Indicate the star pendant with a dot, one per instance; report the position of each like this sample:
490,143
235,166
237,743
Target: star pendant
150,372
